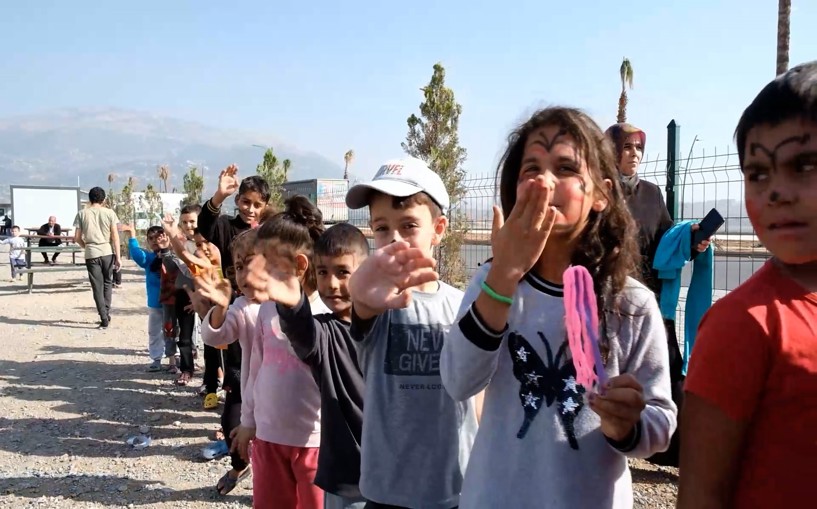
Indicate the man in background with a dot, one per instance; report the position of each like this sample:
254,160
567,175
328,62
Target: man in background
96,232
52,231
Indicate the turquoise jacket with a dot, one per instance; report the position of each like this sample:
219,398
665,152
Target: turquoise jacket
674,251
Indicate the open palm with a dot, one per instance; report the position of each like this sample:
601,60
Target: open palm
270,283
228,181
384,281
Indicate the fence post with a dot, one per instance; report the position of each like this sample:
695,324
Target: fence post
673,166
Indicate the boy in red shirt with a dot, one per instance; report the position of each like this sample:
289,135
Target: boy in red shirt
749,427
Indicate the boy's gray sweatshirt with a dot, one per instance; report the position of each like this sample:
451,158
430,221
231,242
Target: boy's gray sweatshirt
539,443
416,438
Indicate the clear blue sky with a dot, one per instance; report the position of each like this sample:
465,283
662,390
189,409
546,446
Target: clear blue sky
329,76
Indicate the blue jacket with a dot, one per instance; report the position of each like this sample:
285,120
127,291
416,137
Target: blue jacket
674,251
144,258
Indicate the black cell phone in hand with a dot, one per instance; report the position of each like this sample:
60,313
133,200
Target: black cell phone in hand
707,227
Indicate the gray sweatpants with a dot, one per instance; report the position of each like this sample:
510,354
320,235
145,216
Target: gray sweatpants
156,336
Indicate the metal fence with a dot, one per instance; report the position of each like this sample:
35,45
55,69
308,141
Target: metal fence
703,180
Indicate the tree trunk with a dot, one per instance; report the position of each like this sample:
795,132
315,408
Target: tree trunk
622,108
783,35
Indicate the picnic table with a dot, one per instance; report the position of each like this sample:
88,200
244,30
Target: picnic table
30,271
64,232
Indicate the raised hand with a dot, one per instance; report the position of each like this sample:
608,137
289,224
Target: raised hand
170,226
219,292
272,282
518,242
385,280
198,303
227,184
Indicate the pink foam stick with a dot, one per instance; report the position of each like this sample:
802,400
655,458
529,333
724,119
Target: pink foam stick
582,324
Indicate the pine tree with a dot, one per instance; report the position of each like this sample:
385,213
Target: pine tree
193,185
433,137
275,172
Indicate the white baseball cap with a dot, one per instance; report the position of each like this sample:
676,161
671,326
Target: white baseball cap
401,178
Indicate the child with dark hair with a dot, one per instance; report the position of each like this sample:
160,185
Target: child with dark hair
325,344
750,411
151,262
251,200
97,234
188,249
562,206
227,323
281,411
417,438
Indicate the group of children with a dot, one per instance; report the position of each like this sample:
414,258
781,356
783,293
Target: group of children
358,379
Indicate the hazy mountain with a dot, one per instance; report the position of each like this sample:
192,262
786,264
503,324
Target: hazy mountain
56,147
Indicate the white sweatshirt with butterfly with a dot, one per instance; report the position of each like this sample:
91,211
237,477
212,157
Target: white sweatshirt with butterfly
539,444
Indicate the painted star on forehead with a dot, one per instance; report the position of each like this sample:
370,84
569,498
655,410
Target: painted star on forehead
533,378
570,384
531,400
522,354
569,406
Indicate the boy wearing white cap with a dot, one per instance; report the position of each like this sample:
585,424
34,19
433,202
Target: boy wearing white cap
416,438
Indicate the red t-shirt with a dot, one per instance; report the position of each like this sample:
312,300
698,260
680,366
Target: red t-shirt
755,357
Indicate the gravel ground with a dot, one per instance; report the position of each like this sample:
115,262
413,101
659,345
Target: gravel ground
72,395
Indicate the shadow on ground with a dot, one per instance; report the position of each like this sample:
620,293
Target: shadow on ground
106,489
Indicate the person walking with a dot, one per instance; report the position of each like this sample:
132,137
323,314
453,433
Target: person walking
96,232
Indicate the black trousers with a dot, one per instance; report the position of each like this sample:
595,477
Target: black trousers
231,416
100,274
187,322
49,243
670,457
212,361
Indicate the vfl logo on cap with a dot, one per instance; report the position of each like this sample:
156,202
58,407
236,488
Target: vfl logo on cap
389,169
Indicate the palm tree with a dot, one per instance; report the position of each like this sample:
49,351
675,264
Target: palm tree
111,177
626,73
348,157
164,174
783,35
286,165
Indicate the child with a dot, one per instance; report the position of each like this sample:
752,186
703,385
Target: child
562,206
326,345
750,411
152,264
189,250
416,438
282,413
253,195
221,326
178,322
17,254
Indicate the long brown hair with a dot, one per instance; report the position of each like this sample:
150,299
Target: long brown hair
607,246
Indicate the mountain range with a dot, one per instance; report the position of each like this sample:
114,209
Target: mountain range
61,146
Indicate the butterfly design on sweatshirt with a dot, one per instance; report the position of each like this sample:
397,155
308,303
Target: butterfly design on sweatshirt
543,382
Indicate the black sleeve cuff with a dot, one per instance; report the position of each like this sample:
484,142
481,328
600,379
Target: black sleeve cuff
215,210
475,330
629,443
290,312
360,327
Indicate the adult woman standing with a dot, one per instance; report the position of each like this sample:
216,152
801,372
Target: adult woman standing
649,210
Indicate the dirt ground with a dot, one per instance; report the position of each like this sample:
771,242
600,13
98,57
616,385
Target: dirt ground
72,395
